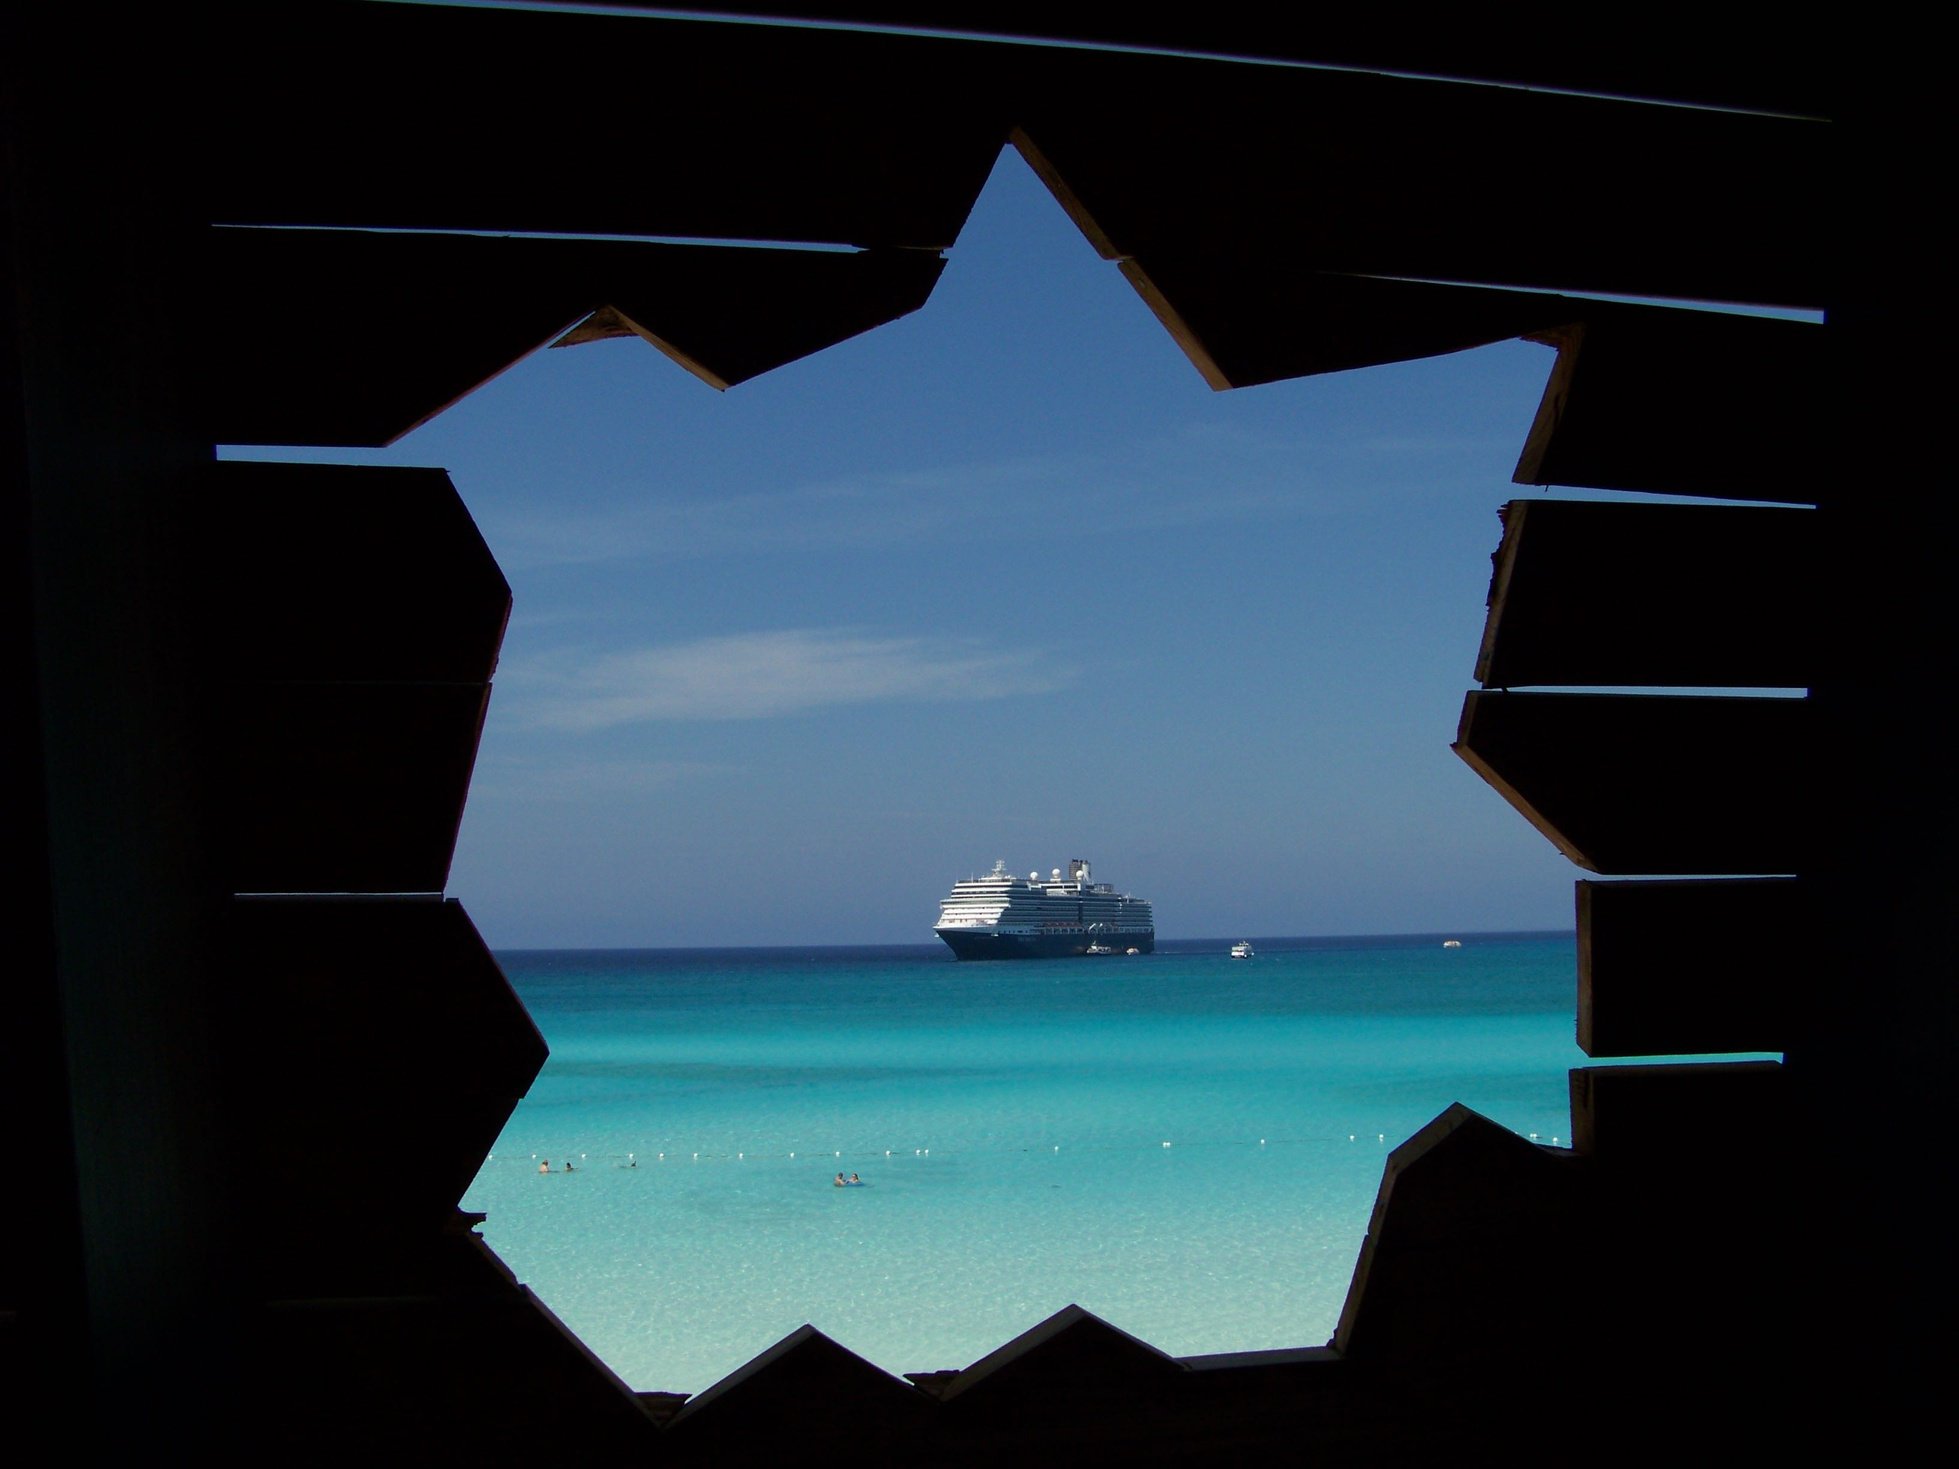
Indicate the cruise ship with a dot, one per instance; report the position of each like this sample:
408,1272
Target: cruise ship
1001,916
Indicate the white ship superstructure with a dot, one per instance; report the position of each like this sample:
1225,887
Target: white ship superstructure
1001,916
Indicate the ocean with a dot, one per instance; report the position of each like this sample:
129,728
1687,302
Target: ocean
1185,1144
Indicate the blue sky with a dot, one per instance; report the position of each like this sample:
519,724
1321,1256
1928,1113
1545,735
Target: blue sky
1002,579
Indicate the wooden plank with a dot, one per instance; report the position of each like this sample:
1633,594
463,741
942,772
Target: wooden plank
352,619
332,572
1702,1201
1468,1248
377,333
1688,403
439,117
1421,180
490,1377
829,1393
1734,62
350,1023
1678,1116
1666,595
344,788
1625,784
1693,968
1058,1369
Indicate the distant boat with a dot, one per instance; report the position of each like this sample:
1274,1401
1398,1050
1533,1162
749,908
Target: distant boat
1452,943
1242,949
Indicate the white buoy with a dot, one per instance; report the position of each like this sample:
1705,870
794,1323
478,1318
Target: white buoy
792,1155
1261,1142
1166,1145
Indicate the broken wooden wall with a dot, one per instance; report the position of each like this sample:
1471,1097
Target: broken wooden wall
218,711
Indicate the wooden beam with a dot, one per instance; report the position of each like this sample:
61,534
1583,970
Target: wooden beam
1469,1249
355,338
1688,403
1160,157
459,1377
1648,1117
1646,784
352,618
830,1393
1051,1373
343,787
334,572
349,1022
1693,968
1734,61
447,118
1682,596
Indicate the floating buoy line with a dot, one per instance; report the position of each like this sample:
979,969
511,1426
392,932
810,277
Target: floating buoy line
683,1156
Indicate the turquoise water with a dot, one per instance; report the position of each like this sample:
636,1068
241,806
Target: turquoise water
1009,1122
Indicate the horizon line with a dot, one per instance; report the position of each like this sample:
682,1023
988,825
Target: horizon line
1438,933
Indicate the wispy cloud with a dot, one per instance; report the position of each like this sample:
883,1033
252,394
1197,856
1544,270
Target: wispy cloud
579,780
1194,477
762,674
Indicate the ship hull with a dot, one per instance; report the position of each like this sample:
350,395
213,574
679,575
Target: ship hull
970,943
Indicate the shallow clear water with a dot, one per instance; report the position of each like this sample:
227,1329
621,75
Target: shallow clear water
1009,1122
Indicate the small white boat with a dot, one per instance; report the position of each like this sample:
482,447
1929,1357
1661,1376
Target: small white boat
1242,949
1452,943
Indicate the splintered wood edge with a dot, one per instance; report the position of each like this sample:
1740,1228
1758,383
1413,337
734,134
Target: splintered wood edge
601,326
1066,197
1167,315
1581,902
1180,330
441,408
1568,340
1510,793
1523,808
693,365
1513,514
